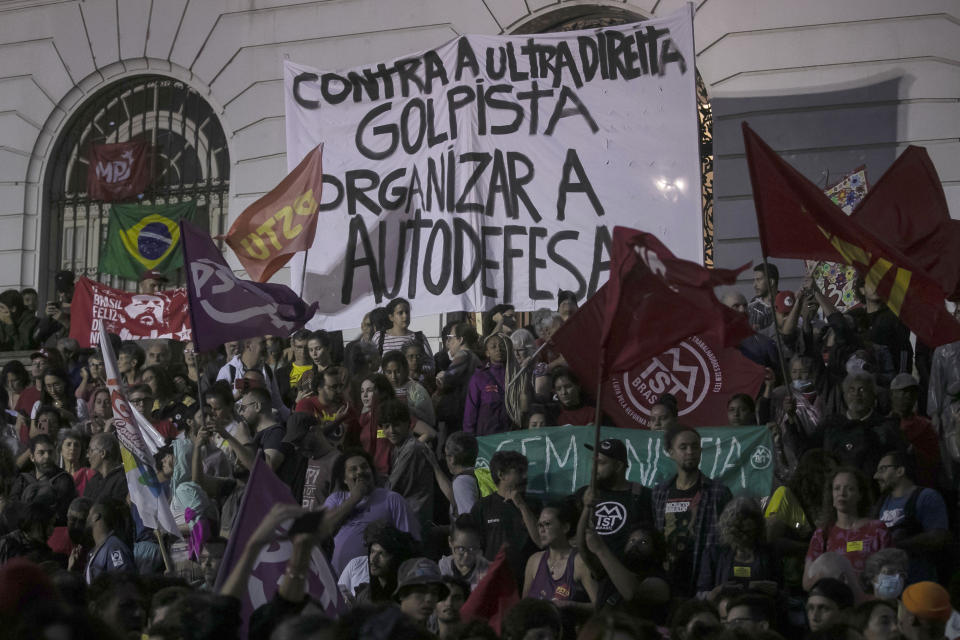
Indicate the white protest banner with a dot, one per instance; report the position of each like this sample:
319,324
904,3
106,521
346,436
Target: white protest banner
494,168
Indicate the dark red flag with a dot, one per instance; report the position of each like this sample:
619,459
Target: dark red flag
495,594
652,301
907,209
701,375
118,171
268,232
796,220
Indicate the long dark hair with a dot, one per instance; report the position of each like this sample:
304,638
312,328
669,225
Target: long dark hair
807,481
46,398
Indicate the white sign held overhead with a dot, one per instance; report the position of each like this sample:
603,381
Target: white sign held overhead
494,168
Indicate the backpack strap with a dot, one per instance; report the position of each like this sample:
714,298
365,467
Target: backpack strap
910,522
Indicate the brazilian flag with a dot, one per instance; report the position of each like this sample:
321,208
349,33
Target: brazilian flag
142,237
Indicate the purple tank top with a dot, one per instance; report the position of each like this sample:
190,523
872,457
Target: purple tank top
544,587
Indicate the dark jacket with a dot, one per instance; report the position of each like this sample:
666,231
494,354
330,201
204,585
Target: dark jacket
19,335
112,486
61,482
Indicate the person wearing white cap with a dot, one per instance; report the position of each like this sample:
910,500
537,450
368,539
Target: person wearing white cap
917,430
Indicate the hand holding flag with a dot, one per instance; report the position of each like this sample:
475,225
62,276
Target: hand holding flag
796,220
139,442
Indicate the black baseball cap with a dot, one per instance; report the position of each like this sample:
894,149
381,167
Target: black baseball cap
613,449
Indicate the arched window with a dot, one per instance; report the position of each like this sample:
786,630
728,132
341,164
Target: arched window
190,161
586,17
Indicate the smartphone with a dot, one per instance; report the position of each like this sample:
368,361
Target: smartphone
307,523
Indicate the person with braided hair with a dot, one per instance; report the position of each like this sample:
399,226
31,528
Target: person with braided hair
494,401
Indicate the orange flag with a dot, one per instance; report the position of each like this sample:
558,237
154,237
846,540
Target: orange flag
281,223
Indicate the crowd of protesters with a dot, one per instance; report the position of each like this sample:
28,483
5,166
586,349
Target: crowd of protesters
379,436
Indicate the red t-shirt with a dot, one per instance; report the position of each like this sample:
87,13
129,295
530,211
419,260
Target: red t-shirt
28,397
375,443
919,432
857,544
578,417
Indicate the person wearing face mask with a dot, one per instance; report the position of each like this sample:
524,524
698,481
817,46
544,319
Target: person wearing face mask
916,517
795,409
885,573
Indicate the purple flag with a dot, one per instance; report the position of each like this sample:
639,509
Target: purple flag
223,307
264,489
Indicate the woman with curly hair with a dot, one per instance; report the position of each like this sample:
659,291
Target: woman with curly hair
848,529
743,556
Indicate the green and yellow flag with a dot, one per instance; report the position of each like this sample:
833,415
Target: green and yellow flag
142,237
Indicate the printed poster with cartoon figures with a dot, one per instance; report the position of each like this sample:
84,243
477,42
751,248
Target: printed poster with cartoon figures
836,280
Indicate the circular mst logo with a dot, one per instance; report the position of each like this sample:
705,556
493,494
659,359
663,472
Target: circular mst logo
610,517
688,371
762,458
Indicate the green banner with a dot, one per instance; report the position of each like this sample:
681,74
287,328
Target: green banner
143,237
740,457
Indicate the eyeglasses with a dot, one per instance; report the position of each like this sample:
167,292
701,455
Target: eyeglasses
240,406
732,622
141,400
462,550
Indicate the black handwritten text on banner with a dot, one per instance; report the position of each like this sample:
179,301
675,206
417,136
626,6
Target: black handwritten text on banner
493,168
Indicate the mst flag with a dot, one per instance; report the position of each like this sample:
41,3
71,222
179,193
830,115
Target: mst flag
908,210
223,307
281,223
796,220
132,316
142,237
118,171
264,489
139,443
652,300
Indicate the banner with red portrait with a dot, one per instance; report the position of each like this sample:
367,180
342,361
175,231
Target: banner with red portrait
132,316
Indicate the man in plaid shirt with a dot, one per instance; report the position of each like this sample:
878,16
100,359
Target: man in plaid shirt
686,510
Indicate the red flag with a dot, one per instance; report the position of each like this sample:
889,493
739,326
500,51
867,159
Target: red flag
796,220
267,234
908,210
495,594
118,171
700,374
132,316
652,301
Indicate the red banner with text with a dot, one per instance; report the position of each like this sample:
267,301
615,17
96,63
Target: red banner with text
132,316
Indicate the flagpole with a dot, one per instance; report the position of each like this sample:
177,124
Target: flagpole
776,328
529,361
303,272
596,423
163,551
